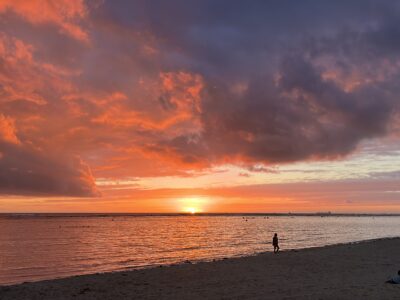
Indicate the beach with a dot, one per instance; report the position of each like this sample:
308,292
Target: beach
345,271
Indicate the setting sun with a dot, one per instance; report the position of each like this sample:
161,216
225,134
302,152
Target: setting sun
192,205
191,210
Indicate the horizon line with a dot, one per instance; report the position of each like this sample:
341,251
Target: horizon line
324,214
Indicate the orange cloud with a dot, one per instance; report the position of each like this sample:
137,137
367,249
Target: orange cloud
183,89
63,13
7,130
25,78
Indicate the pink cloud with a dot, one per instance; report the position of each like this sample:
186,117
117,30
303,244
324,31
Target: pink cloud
63,13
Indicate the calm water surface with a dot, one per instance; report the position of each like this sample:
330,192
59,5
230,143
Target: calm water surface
36,248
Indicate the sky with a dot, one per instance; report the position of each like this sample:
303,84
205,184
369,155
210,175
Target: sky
205,106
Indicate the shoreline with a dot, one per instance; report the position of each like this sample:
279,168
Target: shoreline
355,270
195,262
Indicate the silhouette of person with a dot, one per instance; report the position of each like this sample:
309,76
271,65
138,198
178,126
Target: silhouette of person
275,243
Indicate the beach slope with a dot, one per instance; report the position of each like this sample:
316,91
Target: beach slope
349,271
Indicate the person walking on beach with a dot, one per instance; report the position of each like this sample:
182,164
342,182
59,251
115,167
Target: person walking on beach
275,243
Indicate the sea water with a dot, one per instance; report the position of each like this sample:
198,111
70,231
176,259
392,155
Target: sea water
45,247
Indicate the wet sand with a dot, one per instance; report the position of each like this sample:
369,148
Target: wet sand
348,271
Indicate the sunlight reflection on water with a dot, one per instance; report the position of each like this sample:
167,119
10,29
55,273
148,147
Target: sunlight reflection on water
44,248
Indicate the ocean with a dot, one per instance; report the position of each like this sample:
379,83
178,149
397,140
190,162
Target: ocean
38,247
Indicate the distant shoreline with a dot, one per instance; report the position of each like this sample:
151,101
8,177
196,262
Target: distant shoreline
318,214
344,271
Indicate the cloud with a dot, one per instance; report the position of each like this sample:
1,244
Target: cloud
385,175
261,168
62,13
310,96
208,84
244,174
25,170
7,130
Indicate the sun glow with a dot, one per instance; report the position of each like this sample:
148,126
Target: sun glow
191,210
192,205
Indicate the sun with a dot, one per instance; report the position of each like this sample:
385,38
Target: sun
192,205
191,210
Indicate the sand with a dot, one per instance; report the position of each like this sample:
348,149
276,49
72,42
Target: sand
348,271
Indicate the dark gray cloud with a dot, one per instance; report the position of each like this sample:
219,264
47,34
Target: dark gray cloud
28,171
317,77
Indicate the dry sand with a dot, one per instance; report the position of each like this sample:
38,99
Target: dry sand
350,271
